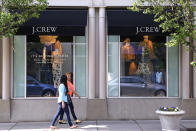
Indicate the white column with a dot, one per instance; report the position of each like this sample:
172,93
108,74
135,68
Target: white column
102,54
194,68
1,68
6,61
91,53
185,69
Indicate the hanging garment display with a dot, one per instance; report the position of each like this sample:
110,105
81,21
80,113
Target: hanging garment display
147,54
132,68
159,76
127,52
48,42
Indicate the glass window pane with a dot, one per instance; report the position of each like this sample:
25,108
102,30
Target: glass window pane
19,66
143,66
80,65
173,71
48,57
113,66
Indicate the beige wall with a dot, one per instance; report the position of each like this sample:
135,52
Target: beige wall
96,109
0,69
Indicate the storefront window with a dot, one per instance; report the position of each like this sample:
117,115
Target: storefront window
142,61
47,58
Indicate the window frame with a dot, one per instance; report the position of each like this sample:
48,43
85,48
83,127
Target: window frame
25,69
150,97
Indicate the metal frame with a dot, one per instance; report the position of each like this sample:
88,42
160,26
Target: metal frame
87,53
12,69
74,59
25,78
167,68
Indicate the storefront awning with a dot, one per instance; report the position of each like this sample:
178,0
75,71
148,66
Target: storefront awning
56,22
125,22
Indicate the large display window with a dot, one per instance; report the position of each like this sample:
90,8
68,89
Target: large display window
40,60
138,66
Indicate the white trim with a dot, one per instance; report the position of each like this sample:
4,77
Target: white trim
25,67
143,97
74,66
12,69
180,73
87,78
119,90
167,68
43,98
107,44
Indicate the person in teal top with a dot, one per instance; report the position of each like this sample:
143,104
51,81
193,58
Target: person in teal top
62,102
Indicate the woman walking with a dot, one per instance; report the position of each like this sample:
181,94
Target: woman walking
62,102
71,91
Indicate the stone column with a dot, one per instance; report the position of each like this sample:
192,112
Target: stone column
1,68
6,66
185,73
194,68
102,54
91,52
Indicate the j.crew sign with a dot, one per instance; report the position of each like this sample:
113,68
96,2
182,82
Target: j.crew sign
147,29
41,29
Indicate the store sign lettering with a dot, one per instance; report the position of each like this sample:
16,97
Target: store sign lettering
44,30
147,30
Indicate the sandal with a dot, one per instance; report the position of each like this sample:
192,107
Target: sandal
53,127
77,121
73,126
62,122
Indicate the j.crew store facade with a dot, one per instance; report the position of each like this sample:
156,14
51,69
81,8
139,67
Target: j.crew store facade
119,63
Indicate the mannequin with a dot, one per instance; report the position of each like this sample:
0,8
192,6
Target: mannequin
147,44
52,52
57,63
48,42
146,51
128,55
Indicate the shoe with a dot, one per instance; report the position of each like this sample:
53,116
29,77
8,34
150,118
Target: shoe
77,121
73,126
53,127
62,122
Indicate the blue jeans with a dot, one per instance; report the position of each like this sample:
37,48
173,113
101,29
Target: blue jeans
72,111
60,110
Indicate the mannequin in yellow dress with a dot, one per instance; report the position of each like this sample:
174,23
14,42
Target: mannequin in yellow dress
128,55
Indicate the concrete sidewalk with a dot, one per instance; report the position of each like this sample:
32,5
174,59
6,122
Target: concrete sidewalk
131,125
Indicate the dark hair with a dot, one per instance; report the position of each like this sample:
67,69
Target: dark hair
63,80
